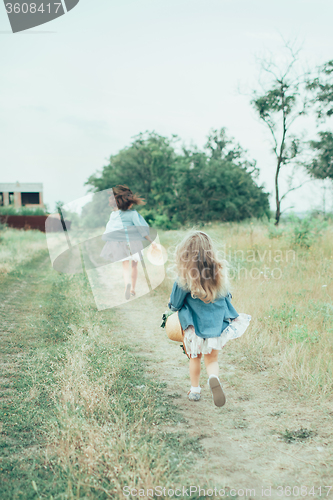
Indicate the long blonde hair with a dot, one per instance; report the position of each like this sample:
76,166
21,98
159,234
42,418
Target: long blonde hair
199,269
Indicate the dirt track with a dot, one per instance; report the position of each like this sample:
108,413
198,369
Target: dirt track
243,446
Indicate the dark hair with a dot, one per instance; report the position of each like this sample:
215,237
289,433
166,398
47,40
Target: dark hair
125,198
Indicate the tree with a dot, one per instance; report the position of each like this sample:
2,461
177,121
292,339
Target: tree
219,183
321,166
186,186
145,166
322,86
281,101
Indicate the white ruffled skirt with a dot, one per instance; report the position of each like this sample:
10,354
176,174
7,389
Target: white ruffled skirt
120,251
195,345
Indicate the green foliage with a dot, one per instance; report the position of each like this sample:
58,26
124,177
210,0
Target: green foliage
322,88
97,212
321,166
191,186
298,435
274,231
281,97
299,232
10,210
304,232
218,183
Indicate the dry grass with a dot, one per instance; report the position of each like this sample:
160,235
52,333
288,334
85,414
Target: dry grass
288,291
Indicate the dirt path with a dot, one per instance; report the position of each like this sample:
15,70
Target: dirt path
9,355
242,442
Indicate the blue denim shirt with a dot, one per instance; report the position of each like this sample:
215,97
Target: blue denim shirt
209,320
125,225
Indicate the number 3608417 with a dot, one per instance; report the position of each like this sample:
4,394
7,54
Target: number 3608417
32,8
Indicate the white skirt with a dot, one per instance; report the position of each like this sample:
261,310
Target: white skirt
120,251
195,345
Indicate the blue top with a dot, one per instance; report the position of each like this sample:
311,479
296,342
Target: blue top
127,224
209,320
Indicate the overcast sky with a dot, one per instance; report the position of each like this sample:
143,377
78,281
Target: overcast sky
76,90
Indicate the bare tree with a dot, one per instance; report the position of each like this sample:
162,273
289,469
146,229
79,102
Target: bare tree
283,98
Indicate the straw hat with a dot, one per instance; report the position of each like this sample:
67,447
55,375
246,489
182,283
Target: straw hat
157,255
173,328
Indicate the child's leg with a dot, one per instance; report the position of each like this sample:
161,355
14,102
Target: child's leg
211,363
212,367
134,274
195,367
126,272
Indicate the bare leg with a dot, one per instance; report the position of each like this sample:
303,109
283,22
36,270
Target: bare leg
126,272
212,367
211,363
134,274
195,367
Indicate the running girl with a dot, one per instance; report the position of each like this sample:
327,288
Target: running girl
122,243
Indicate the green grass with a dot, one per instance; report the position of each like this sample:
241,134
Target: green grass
82,419
18,247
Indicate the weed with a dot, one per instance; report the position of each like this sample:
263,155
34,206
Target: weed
298,435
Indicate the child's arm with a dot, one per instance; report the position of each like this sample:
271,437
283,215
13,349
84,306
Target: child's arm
142,226
177,297
151,241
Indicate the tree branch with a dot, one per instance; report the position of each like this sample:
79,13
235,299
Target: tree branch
293,188
270,126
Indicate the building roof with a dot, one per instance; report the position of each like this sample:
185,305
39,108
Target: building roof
24,187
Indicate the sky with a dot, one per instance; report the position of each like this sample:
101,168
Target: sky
76,90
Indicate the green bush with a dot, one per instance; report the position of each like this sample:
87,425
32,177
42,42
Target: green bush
274,231
9,210
160,221
163,222
299,232
304,232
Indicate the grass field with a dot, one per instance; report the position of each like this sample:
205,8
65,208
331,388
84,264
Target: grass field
80,415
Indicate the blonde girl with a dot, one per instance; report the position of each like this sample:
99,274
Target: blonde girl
203,301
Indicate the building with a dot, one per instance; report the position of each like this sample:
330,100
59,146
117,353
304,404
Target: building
22,195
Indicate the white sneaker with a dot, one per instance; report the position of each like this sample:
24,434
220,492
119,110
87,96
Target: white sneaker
217,391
